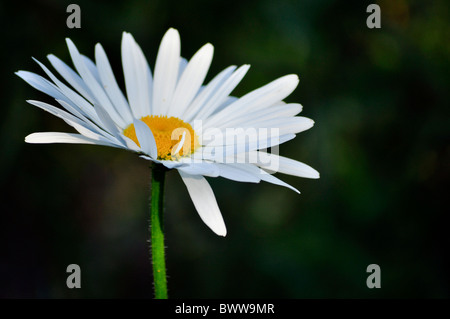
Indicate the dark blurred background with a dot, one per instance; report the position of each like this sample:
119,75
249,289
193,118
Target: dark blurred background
379,98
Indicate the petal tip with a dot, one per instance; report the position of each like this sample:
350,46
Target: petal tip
29,138
221,232
68,41
294,79
208,48
172,30
316,175
172,34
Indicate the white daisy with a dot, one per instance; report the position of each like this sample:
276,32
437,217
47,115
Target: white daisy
171,118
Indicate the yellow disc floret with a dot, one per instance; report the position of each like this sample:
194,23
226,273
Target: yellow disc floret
168,133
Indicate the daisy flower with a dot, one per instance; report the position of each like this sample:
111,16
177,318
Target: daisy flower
170,117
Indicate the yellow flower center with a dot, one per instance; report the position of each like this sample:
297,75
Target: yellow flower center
168,133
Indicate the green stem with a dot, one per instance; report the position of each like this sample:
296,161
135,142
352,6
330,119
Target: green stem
157,231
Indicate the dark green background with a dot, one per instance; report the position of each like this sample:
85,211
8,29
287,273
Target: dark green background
380,101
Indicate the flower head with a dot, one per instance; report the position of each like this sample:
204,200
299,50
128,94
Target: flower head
171,118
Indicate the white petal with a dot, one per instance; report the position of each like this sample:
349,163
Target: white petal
229,100
145,138
108,124
41,84
220,153
110,84
60,92
97,90
242,136
240,172
205,169
71,77
191,80
287,125
166,71
138,78
71,97
71,109
180,143
182,67
171,164
272,112
221,94
206,93
130,144
205,202
148,158
260,98
69,138
287,166
91,67
273,180
85,128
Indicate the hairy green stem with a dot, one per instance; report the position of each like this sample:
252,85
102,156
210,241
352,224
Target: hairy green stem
157,231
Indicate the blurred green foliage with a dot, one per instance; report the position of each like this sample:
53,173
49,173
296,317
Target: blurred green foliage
379,98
